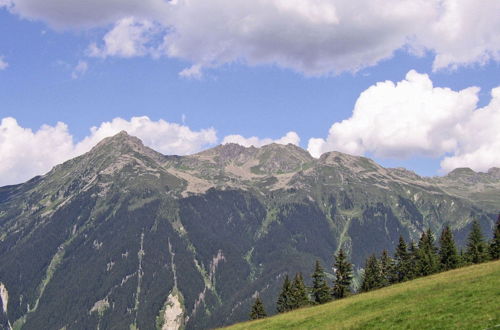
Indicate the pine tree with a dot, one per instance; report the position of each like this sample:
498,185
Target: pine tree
258,311
412,267
401,262
284,302
428,262
372,278
343,276
448,254
299,292
386,269
320,289
495,242
476,247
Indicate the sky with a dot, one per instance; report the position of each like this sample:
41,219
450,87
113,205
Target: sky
409,83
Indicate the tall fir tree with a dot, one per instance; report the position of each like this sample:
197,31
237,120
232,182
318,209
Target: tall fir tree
476,246
372,278
299,292
495,242
448,255
428,261
343,276
258,311
320,290
386,269
412,267
401,262
285,300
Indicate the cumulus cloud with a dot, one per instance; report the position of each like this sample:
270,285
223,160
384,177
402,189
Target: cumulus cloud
80,69
314,37
290,137
479,139
464,33
86,14
412,117
128,38
3,63
26,153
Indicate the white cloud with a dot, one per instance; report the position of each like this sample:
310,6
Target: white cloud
466,32
314,37
86,14
26,153
128,38
193,72
479,139
80,69
413,117
290,137
3,64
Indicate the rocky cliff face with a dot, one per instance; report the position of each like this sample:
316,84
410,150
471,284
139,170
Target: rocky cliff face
124,237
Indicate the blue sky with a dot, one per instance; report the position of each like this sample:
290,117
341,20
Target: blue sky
251,89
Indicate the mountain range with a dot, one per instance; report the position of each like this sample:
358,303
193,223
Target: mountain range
124,237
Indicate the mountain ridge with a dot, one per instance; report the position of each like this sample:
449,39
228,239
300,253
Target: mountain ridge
123,233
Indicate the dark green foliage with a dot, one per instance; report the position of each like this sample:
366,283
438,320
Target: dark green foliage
402,271
320,290
285,299
495,242
448,254
427,257
412,261
386,269
476,247
372,277
343,276
258,311
299,292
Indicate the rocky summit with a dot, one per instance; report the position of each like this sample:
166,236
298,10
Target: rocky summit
124,237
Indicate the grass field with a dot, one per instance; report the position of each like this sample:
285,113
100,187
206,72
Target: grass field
466,298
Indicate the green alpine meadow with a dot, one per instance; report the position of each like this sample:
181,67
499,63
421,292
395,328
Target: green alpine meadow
465,298
124,237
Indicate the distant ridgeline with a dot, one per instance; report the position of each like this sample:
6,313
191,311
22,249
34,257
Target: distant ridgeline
124,237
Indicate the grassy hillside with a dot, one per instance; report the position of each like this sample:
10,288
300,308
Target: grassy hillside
466,298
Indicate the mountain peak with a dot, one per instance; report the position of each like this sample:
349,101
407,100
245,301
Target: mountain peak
120,139
353,163
461,172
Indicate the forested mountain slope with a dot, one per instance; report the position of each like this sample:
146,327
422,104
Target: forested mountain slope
124,237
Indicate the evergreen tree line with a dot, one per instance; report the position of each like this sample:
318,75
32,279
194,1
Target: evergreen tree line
408,262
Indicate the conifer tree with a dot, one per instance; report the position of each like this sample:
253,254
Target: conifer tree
320,289
448,254
299,292
372,278
343,276
386,269
495,242
476,246
258,311
428,262
401,261
284,302
412,267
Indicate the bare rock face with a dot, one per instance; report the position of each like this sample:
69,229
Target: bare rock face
124,237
